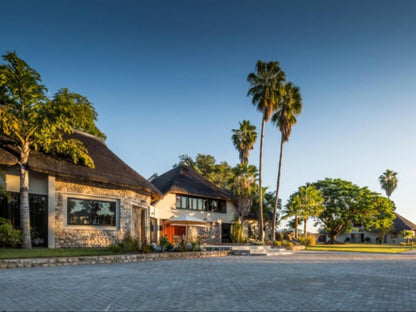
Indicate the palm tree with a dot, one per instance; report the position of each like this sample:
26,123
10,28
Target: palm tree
244,139
388,181
265,85
285,117
293,209
311,201
244,187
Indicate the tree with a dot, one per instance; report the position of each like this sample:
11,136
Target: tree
384,215
265,86
285,117
244,187
293,209
305,203
347,205
388,181
33,121
244,139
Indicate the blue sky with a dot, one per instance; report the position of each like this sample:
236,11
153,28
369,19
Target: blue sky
169,78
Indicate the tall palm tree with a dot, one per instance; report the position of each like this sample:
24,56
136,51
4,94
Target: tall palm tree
388,181
265,85
244,139
285,117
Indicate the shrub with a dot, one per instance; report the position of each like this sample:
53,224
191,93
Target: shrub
128,244
9,236
146,248
310,240
236,231
164,243
277,244
367,240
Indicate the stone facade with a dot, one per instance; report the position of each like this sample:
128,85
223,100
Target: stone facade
96,236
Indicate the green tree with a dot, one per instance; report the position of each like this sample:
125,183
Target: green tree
384,216
388,181
305,203
244,139
33,121
285,117
293,209
346,205
265,86
244,187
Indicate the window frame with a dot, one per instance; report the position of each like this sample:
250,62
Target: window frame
202,203
116,200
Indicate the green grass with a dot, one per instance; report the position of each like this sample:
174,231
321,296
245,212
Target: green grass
8,253
362,248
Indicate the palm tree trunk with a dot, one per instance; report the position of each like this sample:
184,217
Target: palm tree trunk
304,227
296,227
24,197
261,237
277,191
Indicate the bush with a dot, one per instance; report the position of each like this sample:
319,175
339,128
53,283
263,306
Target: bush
165,245
277,244
310,240
236,231
128,244
146,248
9,236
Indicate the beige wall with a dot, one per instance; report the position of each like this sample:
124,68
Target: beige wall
38,183
166,209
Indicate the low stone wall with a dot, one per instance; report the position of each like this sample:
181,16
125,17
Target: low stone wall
125,258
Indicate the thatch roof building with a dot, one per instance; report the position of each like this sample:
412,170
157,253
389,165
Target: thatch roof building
187,181
109,169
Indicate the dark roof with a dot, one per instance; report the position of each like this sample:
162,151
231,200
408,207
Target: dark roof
401,223
185,180
109,169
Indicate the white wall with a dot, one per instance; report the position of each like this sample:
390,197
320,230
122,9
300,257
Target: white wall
166,209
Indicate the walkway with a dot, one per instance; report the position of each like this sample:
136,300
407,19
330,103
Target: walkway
305,281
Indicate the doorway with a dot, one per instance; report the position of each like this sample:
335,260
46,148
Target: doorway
139,223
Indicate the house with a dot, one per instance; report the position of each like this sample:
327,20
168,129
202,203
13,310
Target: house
394,236
185,191
75,206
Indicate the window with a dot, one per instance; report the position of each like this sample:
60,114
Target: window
195,203
91,212
10,209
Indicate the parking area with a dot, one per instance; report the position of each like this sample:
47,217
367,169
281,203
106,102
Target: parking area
305,281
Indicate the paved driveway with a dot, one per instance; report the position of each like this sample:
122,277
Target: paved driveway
307,281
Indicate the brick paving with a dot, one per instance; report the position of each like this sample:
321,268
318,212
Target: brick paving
305,281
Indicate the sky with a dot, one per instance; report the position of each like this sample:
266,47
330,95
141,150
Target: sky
170,78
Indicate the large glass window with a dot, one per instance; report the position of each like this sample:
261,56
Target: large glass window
10,209
91,212
195,203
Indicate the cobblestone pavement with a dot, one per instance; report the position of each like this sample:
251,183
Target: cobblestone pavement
305,281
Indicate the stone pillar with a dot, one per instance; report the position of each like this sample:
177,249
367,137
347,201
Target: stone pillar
51,211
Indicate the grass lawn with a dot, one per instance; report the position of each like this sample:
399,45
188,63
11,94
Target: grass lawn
8,253
362,248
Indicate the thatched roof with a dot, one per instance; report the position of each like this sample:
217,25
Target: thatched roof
109,169
401,223
185,180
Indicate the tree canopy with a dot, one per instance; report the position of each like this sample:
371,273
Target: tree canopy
32,120
347,205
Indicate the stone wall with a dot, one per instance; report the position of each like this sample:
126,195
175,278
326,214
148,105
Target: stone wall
63,261
95,236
